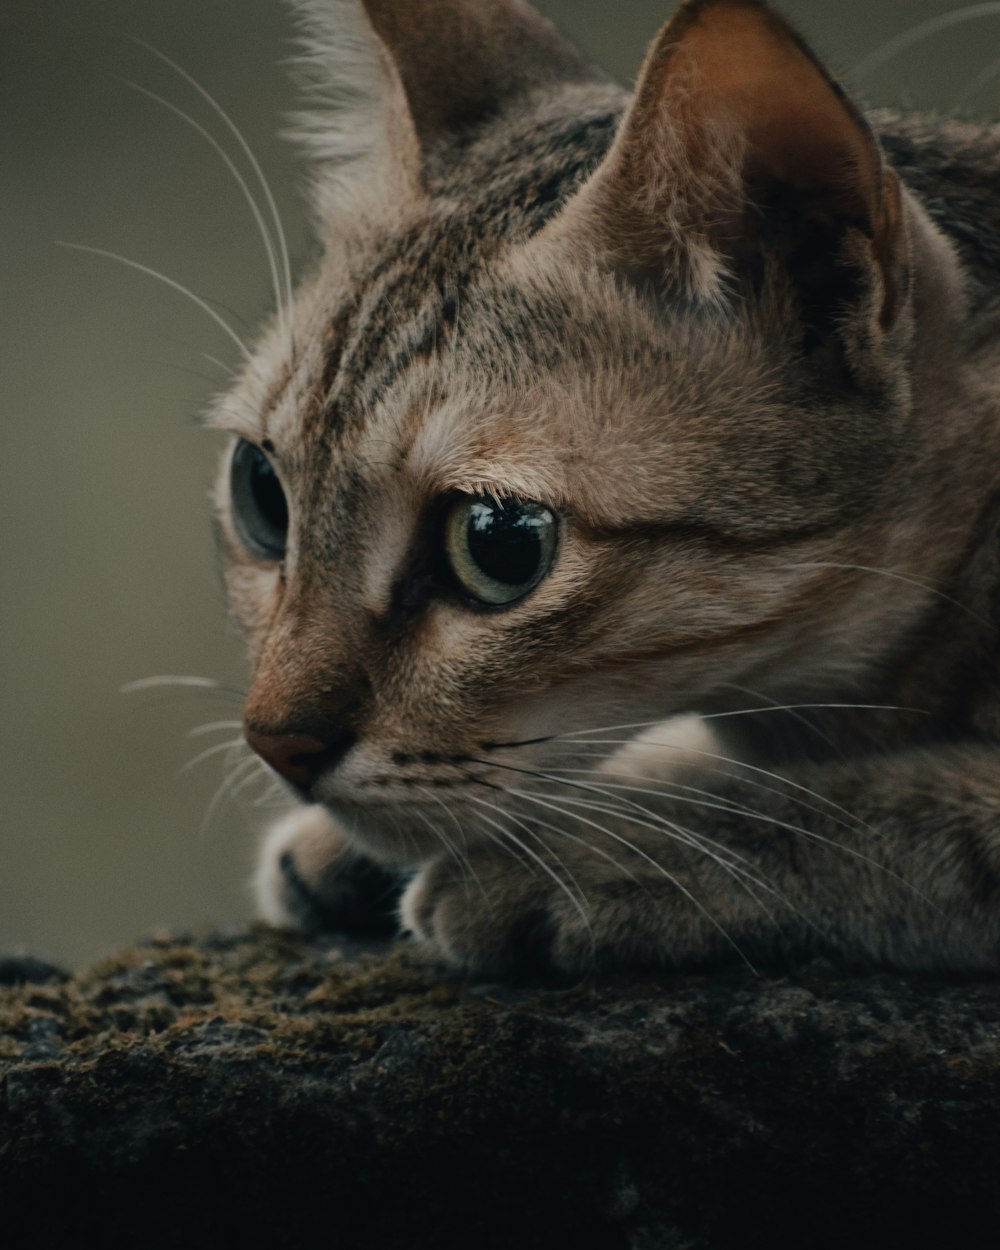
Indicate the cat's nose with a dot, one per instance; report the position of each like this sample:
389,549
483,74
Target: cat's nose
300,757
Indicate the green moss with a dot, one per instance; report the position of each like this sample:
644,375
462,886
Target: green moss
231,1070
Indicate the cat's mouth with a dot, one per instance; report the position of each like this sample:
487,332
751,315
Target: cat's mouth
407,809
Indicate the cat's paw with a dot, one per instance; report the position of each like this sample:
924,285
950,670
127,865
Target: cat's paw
484,916
308,878
494,916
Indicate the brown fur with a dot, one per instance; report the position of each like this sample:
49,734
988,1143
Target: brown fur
754,369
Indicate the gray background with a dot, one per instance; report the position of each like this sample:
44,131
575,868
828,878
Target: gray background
107,568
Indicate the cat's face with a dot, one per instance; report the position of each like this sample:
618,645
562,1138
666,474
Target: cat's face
498,480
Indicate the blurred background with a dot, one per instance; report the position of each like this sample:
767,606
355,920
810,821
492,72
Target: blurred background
107,567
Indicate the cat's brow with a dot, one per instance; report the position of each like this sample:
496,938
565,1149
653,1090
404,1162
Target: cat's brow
243,424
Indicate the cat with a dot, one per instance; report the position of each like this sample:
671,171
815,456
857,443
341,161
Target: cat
613,515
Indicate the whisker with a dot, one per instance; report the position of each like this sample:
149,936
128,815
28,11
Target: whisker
729,860
151,683
854,827
808,707
574,734
274,796
740,764
564,833
196,686
578,899
730,941
777,822
170,364
219,364
230,745
981,80
923,30
265,235
453,848
906,579
214,726
170,282
229,787
237,134
724,857
261,774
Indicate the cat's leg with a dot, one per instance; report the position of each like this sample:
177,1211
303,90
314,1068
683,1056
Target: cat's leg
890,862
682,749
309,878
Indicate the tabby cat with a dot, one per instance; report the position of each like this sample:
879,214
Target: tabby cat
613,513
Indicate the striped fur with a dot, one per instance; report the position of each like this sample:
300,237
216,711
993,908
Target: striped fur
757,381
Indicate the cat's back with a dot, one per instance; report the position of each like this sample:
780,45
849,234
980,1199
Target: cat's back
954,169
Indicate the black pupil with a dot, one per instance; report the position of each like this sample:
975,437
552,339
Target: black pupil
259,502
268,495
504,541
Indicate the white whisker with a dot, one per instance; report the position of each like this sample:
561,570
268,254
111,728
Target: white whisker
673,786
241,182
232,744
230,785
152,683
652,862
214,726
892,575
923,30
453,848
170,282
809,707
237,134
727,859
981,80
740,764
563,833
578,899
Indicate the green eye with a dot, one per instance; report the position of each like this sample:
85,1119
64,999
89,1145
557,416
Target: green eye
499,549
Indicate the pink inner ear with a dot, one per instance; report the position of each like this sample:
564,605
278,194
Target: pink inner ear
738,63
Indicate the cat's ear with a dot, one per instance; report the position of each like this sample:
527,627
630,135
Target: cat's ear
390,78
739,147
460,59
356,126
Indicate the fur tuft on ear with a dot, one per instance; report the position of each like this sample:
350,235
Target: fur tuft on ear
740,151
356,125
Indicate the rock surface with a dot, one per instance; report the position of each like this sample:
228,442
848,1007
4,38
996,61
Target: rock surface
254,1089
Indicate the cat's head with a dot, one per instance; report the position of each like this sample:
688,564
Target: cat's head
588,413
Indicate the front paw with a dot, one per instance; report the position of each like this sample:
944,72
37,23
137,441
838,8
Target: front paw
484,917
311,880
497,917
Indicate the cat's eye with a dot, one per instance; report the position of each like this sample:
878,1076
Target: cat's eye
499,549
260,510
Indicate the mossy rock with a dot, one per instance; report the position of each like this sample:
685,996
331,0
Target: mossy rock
255,1089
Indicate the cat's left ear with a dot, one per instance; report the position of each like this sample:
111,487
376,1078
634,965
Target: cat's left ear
460,60
389,80
739,151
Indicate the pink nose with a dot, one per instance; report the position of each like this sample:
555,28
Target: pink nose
300,758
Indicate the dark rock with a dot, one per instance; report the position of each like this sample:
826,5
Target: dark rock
254,1089
27,970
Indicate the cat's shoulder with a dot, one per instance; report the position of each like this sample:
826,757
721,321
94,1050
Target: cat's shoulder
953,167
